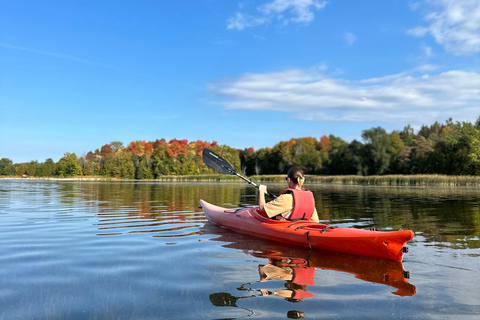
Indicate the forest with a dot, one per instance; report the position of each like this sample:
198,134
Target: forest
450,148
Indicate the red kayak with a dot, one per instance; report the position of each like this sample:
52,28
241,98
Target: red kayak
380,244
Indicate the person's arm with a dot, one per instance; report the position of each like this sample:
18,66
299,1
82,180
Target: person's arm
262,190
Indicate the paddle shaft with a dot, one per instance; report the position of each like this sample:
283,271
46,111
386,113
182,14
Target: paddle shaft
254,184
217,163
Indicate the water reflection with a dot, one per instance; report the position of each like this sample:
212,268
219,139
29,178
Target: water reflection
292,270
444,217
116,250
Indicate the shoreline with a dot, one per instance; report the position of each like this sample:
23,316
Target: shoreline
387,180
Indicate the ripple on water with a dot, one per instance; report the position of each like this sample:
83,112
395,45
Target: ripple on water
128,250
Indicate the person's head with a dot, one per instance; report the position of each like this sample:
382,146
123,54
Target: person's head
295,177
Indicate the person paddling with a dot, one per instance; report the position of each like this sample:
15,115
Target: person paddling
294,203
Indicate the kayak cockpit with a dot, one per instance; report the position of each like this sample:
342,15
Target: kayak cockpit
262,215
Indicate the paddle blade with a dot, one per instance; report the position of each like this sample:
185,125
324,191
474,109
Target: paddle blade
217,163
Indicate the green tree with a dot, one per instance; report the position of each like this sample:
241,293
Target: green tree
267,161
247,161
20,169
123,166
377,145
116,146
307,156
6,167
88,168
477,123
32,168
69,166
471,140
359,158
396,147
420,155
404,160
108,165
407,135
49,168
45,170
340,161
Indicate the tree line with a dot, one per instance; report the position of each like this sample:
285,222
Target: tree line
137,160
452,148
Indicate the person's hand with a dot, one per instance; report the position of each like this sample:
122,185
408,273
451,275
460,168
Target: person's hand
262,189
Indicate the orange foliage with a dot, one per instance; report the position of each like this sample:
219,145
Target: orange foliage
107,150
444,129
200,145
147,148
291,141
141,148
132,147
325,143
176,147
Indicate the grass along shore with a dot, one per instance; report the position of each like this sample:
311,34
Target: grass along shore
386,180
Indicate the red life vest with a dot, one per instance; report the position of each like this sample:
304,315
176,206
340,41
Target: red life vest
304,204
303,275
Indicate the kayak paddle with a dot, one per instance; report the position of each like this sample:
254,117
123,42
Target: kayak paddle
217,163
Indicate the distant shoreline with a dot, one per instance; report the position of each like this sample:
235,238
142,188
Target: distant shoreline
387,180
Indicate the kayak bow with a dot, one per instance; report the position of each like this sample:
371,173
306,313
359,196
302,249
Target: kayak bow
388,245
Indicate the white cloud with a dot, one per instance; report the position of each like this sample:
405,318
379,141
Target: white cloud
349,38
284,11
418,31
241,21
427,51
427,68
400,98
455,24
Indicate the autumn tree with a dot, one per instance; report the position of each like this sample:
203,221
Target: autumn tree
106,151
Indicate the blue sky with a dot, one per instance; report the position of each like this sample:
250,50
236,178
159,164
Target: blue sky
75,75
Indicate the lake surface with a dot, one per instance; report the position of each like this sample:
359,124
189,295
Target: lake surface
112,250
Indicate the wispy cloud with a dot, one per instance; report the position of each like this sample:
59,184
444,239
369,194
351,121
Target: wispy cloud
408,97
349,38
427,51
283,11
52,54
454,24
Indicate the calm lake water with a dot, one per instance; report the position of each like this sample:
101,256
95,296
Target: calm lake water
111,250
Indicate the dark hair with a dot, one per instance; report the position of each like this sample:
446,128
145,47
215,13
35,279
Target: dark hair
295,174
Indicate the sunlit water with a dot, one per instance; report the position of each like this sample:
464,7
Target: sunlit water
110,250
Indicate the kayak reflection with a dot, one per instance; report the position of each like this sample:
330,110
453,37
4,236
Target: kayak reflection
297,265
